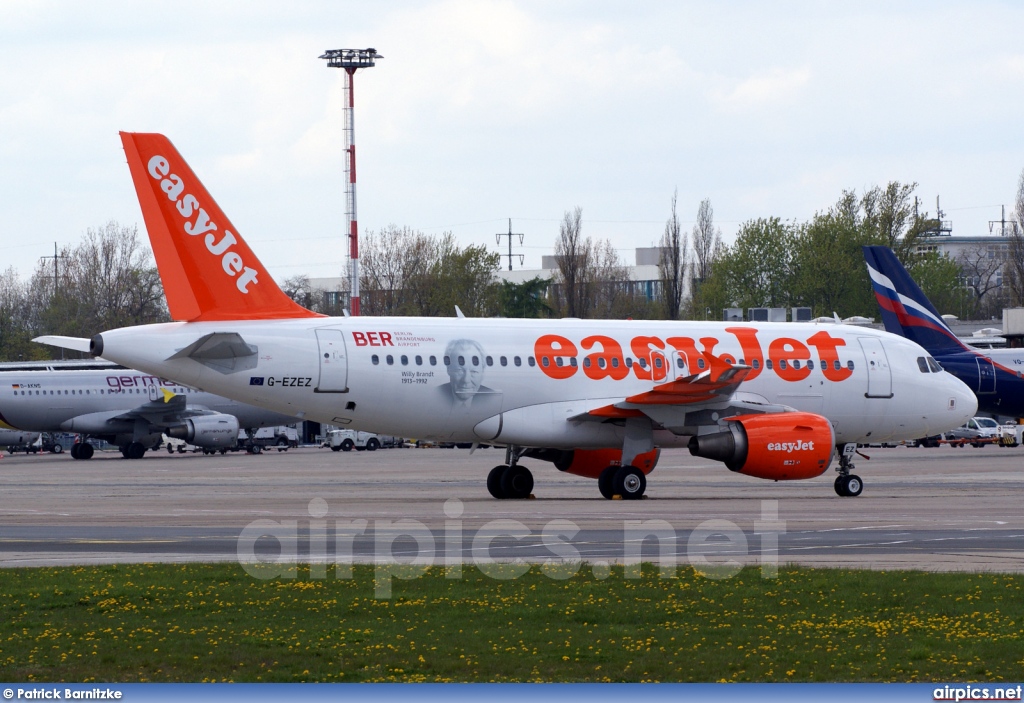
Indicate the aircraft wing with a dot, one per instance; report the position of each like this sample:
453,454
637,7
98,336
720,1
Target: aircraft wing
170,409
686,404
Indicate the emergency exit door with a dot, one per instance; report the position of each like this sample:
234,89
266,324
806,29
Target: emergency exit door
333,362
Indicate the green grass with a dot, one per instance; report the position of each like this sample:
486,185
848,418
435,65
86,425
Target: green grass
215,622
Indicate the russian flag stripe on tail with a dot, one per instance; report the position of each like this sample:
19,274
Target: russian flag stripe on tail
905,309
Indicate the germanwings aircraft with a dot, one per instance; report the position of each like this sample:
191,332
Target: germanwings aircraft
597,398
994,375
124,407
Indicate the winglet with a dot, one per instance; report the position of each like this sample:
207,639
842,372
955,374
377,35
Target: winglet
208,271
168,395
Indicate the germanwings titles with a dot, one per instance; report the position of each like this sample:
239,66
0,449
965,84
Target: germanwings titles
597,398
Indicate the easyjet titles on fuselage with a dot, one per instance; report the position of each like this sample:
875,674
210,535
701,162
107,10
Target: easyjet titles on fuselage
789,358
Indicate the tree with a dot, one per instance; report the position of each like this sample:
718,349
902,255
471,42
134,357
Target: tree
979,267
572,254
758,268
673,264
524,299
940,279
1014,270
889,217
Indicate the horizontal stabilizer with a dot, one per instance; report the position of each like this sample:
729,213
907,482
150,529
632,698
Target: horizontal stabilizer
79,344
225,352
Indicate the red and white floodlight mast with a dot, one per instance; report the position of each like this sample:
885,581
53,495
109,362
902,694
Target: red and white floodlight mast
351,60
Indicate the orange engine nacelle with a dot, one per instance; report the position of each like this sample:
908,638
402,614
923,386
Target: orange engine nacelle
591,462
778,447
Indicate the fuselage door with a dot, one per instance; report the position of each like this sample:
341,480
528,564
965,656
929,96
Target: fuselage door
333,362
986,376
879,373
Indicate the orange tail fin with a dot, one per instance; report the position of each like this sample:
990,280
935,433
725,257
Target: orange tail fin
208,271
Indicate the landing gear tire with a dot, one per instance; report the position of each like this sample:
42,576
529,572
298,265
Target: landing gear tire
849,486
74,450
517,482
136,450
606,481
85,451
629,482
494,482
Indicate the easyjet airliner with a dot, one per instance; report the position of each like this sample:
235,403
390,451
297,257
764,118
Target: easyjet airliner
596,398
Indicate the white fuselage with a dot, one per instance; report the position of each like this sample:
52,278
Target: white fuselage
523,381
49,400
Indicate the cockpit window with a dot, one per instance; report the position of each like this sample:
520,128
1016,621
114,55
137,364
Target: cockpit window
922,364
935,366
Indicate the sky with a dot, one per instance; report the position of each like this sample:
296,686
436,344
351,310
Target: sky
484,110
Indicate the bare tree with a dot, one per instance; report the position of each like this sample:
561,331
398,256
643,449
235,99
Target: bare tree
979,266
573,255
889,217
1014,270
707,241
673,263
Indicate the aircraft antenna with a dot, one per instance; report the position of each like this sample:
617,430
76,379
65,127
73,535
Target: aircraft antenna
351,60
509,234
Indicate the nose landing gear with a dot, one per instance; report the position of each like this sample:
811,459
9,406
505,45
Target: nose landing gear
847,485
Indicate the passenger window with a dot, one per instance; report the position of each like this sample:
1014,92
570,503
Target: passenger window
643,363
375,359
629,362
462,360
530,361
405,360
390,359
504,361
849,364
517,361
544,360
476,360
586,363
433,361
922,364
782,364
490,361
755,364
768,364
615,362
810,364
572,362
447,360
700,363
836,365
657,362
601,362
558,361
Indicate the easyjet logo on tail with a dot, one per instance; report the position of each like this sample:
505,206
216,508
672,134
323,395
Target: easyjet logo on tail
198,223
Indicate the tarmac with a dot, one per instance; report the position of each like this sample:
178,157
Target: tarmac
947,508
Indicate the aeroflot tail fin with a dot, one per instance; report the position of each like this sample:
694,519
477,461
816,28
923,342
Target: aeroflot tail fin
208,271
905,309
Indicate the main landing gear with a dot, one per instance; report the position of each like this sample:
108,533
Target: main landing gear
81,450
134,450
510,480
627,482
847,485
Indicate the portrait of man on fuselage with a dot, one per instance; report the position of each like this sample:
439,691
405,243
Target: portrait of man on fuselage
465,362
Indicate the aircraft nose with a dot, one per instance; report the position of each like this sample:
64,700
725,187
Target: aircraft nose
962,400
